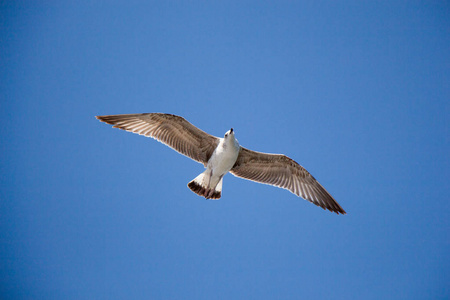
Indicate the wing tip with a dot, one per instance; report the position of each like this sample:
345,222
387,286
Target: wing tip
335,207
103,119
109,119
341,211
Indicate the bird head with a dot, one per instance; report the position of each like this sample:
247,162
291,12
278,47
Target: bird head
229,133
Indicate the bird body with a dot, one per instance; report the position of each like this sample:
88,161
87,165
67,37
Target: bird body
209,183
223,155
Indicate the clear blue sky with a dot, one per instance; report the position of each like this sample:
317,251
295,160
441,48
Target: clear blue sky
357,93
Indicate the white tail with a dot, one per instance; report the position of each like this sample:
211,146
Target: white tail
203,185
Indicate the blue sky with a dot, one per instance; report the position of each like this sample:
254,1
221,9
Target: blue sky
357,93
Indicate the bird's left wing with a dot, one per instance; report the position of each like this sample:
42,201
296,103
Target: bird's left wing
173,131
282,171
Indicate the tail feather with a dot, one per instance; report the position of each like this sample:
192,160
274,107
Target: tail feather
200,186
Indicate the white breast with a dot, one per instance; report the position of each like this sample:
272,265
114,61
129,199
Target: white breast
224,156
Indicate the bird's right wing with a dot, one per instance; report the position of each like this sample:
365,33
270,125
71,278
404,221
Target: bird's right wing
171,130
282,171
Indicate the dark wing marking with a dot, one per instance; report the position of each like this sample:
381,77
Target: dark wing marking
171,130
281,171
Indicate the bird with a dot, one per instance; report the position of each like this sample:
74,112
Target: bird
222,155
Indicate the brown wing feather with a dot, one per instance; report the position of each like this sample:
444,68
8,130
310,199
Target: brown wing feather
171,130
282,171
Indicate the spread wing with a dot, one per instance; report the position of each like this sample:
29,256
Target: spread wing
171,130
281,171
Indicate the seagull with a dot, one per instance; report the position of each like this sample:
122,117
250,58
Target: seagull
223,155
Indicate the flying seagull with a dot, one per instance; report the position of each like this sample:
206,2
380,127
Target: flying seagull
223,155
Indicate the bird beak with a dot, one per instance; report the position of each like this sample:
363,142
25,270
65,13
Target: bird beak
231,130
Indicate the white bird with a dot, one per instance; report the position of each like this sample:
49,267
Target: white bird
223,155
